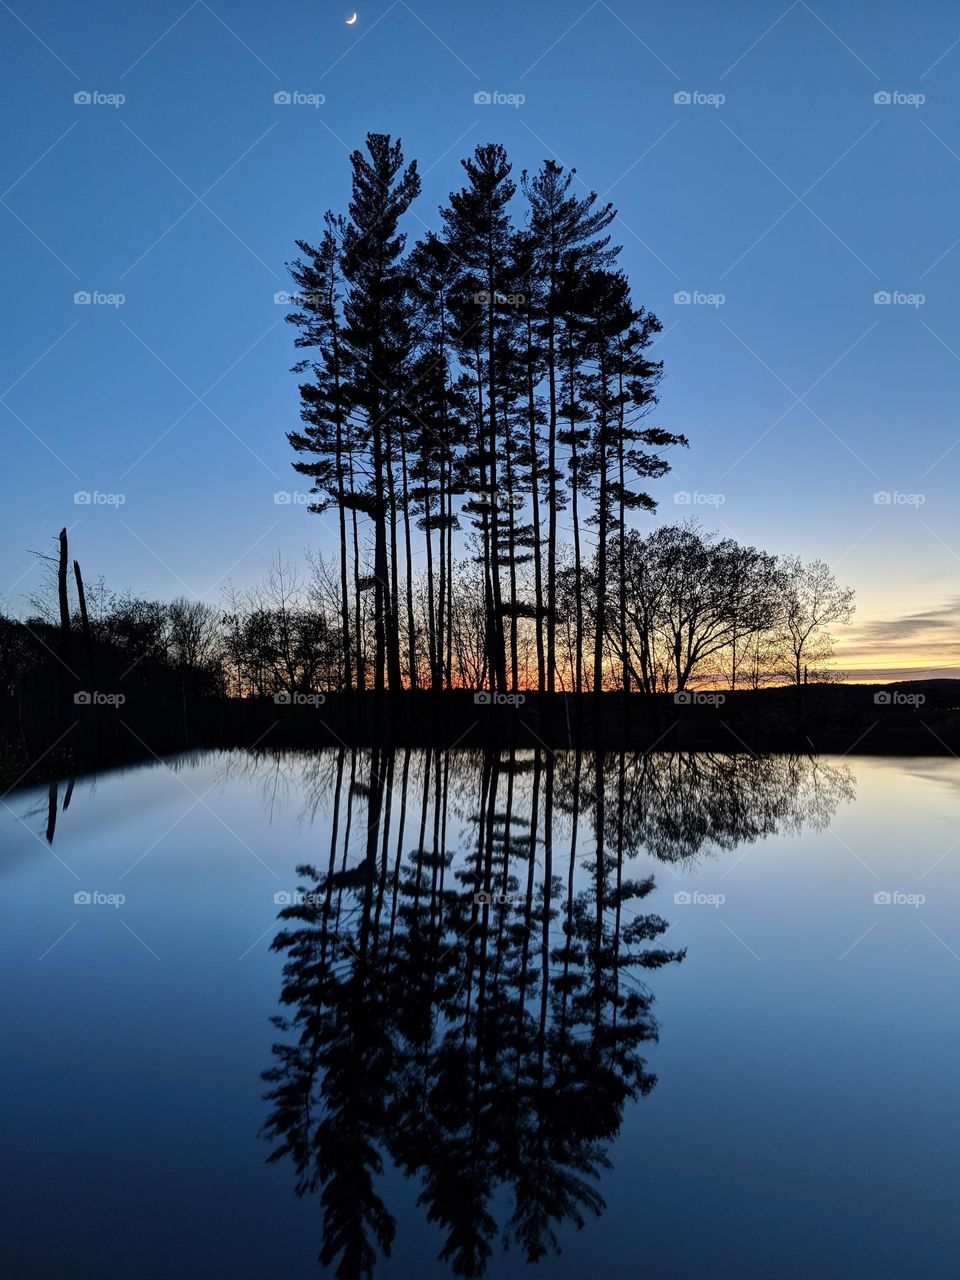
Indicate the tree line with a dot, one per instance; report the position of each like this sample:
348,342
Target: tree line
475,414
696,610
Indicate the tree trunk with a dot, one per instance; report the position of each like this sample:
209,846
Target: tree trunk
498,656
552,495
85,626
603,503
535,500
394,672
411,629
622,568
577,554
431,610
62,596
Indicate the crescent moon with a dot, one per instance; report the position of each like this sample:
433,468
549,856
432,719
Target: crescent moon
351,20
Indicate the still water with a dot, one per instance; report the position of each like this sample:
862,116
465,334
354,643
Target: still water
427,1014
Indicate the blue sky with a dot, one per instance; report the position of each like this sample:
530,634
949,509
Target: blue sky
797,199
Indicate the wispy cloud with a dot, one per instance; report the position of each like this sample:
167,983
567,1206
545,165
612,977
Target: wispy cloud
928,624
924,644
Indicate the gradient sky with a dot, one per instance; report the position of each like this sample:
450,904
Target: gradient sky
798,198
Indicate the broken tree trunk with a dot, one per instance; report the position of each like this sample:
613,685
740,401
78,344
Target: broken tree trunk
85,624
65,675
64,602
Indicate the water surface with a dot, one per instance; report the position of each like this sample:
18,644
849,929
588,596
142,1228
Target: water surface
671,1015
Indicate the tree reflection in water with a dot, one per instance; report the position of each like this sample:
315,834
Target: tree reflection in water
472,1012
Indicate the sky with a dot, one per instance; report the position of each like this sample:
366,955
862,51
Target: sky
788,183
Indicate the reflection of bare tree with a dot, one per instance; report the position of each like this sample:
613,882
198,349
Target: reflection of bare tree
283,778
475,1018
675,805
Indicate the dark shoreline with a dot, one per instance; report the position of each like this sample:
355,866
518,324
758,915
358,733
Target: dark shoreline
817,719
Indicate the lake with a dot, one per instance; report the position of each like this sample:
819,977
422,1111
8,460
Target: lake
432,1014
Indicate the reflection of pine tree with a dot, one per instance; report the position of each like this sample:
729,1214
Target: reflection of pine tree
482,1045
327,1095
329,1089
583,1061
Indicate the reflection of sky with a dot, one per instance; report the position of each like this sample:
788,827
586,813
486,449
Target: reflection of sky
797,199
806,1065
